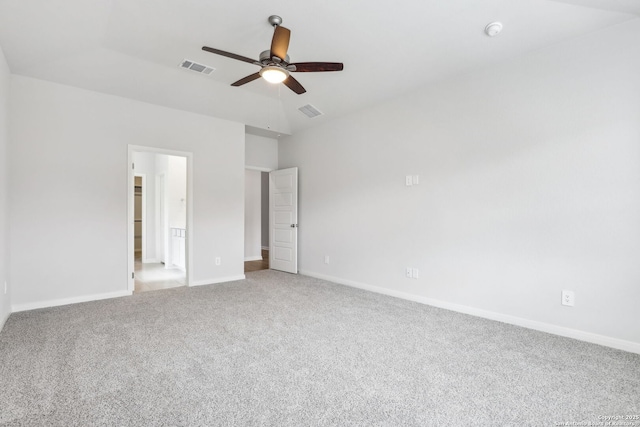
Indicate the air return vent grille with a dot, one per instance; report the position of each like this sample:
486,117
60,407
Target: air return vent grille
194,66
310,111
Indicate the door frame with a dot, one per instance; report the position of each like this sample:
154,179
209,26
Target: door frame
130,207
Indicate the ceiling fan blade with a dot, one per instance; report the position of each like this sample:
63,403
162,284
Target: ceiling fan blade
230,55
294,85
280,42
246,80
311,67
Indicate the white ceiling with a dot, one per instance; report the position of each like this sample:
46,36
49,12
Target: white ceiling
132,48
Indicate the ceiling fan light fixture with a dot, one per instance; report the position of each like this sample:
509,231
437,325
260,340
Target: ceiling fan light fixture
274,74
275,64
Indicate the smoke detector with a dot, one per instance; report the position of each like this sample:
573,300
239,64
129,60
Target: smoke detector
493,29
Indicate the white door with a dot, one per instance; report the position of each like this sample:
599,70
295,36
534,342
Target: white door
283,220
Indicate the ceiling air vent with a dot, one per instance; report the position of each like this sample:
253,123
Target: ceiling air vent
310,111
190,65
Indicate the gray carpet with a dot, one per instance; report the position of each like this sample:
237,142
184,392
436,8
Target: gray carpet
284,350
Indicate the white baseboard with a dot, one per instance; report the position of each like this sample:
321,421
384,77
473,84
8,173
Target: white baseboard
4,320
217,280
66,301
151,261
630,346
254,258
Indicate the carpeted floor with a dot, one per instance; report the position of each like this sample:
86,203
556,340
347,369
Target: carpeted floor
284,350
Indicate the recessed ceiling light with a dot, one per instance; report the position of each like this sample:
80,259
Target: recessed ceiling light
493,29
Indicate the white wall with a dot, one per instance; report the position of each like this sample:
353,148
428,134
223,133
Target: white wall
174,171
261,152
177,191
252,215
163,232
5,303
529,184
68,204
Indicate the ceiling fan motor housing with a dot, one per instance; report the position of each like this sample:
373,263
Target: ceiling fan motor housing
265,58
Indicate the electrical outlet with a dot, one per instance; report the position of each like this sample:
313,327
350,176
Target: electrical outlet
218,260
326,259
409,272
568,298
416,273
416,179
408,180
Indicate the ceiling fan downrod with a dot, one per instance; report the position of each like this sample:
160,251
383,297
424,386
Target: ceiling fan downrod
275,20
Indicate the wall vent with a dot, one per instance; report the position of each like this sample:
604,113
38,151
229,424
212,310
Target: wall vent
194,66
310,111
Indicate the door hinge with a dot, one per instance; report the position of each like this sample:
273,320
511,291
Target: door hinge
133,165
133,275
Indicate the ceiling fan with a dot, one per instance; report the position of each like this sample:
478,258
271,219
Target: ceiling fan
275,63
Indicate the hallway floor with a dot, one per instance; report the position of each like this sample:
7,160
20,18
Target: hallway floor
153,276
258,265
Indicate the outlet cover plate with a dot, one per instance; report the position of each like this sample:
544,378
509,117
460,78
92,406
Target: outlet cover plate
568,298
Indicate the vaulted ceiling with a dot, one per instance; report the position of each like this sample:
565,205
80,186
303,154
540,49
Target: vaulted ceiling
133,48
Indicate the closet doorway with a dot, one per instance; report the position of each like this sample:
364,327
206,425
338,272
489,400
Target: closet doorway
138,214
160,218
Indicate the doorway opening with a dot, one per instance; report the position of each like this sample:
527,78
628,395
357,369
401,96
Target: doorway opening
138,214
160,218
256,220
